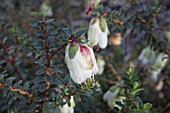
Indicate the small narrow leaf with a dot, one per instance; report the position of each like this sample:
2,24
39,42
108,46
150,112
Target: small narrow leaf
147,106
35,14
49,21
38,79
72,50
40,71
102,24
68,31
43,87
9,80
79,33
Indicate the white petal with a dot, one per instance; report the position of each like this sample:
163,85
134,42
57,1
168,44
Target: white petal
94,32
103,40
77,73
103,37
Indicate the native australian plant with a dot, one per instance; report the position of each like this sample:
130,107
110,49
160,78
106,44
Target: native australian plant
51,64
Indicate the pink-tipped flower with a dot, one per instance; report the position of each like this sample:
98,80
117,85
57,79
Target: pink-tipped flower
83,65
98,32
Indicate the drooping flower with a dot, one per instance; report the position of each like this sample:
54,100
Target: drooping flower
98,32
154,62
147,56
112,96
83,65
101,64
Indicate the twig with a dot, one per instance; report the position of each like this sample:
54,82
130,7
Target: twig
11,60
109,81
118,21
21,91
114,72
58,49
166,108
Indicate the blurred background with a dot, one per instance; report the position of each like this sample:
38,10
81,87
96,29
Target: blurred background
123,49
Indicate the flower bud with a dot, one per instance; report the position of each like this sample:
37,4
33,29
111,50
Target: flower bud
83,65
46,9
97,33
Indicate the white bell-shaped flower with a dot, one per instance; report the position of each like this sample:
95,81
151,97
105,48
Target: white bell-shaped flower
97,33
147,56
111,97
83,65
160,61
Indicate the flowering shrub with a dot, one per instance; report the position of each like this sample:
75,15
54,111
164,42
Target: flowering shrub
114,57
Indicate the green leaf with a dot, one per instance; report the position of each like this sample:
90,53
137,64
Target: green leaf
31,107
17,84
2,76
136,92
11,99
136,85
27,98
49,78
72,50
129,26
11,111
35,14
77,97
57,81
147,106
49,21
64,36
9,80
4,40
43,87
26,85
68,31
41,71
79,33
66,41
102,24
38,79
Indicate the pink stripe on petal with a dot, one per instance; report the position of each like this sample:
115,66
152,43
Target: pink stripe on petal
85,52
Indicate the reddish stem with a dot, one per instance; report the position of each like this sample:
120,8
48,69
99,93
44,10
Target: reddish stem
11,59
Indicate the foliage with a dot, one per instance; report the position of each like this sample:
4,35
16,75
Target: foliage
33,71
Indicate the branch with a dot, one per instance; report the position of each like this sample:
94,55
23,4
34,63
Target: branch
21,91
58,49
11,60
118,21
114,72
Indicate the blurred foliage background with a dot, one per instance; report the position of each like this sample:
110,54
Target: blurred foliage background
16,13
